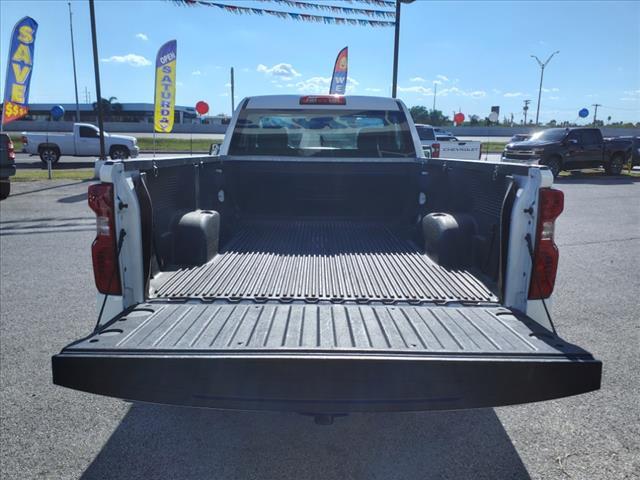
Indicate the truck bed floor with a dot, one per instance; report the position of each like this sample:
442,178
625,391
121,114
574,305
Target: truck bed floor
322,260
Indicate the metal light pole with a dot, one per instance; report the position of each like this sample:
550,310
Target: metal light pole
96,69
396,46
542,65
73,56
233,87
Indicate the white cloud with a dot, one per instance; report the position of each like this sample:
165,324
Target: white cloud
513,94
142,36
442,77
554,98
369,89
416,89
227,84
282,70
632,92
196,72
130,59
417,79
554,89
496,91
314,85
321,85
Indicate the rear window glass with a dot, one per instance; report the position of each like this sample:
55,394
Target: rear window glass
322,133
426,133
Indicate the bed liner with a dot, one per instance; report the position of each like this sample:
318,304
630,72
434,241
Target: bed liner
322,260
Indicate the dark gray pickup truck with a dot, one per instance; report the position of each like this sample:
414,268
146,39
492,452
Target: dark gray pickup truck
321,264
7,165
569,149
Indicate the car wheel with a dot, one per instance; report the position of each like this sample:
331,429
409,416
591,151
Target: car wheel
49,154
554,165
5,188
119,153
615,165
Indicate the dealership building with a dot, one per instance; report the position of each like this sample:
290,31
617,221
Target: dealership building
121,112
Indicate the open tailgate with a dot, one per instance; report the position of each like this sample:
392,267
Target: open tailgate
325,358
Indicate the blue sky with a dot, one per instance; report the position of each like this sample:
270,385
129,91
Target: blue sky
477,51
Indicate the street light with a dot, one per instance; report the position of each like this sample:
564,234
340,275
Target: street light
542,65
394,86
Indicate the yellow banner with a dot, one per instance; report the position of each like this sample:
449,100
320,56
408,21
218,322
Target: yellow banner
165,97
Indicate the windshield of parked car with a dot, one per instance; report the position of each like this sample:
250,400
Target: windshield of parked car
322,133
551,135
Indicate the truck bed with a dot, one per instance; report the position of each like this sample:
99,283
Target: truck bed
322,260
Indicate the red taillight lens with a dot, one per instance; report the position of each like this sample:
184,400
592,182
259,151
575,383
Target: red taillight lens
323,100
435,150
545,253
11,150
104,248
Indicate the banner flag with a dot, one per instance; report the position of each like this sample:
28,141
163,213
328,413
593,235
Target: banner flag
339,79
302,17
165,96
19,68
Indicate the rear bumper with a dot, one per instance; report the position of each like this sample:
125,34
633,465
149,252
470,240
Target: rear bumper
326,384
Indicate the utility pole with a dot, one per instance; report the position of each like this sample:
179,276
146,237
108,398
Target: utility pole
233,102
542,65
396,46
435,91
525,109
595,112
96,69
73,56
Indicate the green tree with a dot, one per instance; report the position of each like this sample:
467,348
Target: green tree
109,107
421,114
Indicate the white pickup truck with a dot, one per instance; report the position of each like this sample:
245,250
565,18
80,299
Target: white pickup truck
84,141
449,148
322,264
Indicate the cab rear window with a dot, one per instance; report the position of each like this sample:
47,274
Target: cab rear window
322,133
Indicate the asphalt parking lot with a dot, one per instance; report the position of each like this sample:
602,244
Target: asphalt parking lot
47,300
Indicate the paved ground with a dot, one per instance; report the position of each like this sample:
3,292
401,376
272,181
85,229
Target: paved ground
47,300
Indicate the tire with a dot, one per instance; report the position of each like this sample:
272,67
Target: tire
615,165
119,153
5,188
49,153
554,165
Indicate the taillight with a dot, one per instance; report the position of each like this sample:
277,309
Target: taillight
11,150
104,248
545,252
435,150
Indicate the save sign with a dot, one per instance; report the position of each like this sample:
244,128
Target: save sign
165,97
19,68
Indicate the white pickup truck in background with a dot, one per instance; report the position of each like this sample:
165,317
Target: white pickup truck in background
84,141
434,148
